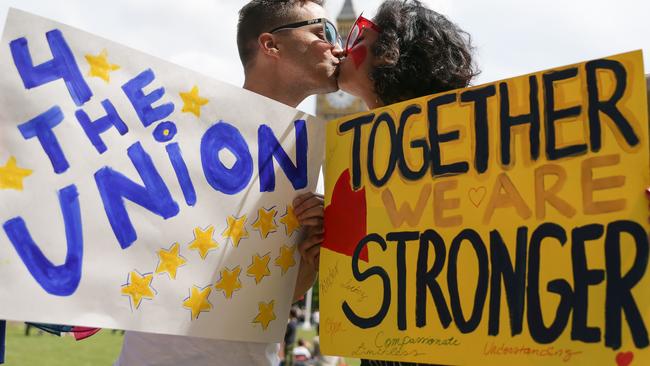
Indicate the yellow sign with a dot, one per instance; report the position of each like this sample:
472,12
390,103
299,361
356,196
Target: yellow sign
503,224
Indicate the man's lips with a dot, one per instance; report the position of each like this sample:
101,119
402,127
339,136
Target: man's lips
337,68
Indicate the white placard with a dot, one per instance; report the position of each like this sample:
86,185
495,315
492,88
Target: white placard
139,195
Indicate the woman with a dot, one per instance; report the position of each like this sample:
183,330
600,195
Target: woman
406,51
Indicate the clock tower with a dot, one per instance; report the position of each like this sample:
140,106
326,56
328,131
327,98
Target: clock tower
338,104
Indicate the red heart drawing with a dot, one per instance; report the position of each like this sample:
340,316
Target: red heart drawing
345,218
358,55
624,358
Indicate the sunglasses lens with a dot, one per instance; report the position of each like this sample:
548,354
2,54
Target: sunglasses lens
330,33
352,38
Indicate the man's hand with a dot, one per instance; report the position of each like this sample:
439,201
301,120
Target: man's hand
309,209
309,248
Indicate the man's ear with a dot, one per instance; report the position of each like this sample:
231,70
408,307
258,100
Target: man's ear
268,45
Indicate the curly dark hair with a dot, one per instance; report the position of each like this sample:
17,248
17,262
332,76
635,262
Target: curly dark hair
259,16
421,52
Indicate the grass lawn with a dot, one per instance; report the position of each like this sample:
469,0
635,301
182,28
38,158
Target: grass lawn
46,349
100,349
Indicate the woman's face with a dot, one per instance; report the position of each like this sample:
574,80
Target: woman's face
355,68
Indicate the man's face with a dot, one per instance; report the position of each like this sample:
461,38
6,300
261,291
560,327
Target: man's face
306,56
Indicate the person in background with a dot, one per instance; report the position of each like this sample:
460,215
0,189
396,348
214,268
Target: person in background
315,319
290,338
301,354
320,359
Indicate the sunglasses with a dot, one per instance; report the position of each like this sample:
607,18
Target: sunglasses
329,29
359,25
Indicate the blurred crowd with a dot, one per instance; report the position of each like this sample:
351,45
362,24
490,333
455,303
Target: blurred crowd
301,352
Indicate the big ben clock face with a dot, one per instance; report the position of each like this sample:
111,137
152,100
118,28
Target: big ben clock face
339,99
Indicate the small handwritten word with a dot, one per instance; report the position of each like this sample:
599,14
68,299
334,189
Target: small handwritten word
328,280
355,289
493,349
332,327
408,340
401,346
364,350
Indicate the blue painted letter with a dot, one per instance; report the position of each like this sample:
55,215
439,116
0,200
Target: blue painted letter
41,127
61,66
269,148
94,129
220,136
183,175
142,103
154,195
60,280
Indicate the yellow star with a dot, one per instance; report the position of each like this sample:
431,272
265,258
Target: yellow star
235,230
170,260
192,102
259,267
286,260
265,223
11,176
229,281
203,241
99,66
138,288
265,315
198,302
290,221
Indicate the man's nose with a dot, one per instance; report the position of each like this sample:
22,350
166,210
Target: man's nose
338,51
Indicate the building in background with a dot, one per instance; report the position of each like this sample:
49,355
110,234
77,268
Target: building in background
338,104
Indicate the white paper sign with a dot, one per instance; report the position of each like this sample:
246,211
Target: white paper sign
136,194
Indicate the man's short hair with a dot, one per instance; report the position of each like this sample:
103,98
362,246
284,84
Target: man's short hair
259,16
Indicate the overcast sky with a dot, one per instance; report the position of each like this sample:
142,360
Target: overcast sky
512,37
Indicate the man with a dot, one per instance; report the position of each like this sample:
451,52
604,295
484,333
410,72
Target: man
287,61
